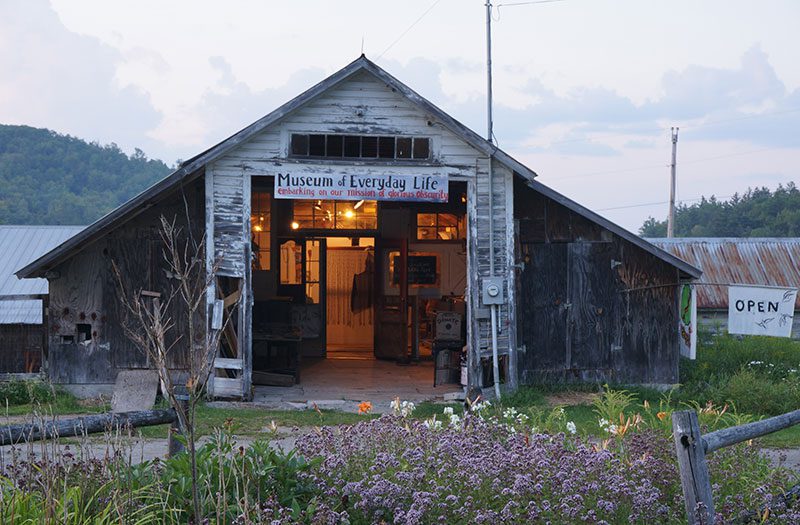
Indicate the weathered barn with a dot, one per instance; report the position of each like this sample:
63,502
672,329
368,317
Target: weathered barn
22,302
763,261
358,218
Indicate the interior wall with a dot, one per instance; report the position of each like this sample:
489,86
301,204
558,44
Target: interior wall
349,312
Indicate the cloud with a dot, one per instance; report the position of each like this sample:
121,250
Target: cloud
64,81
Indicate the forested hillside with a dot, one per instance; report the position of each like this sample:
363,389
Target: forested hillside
49,178
758,213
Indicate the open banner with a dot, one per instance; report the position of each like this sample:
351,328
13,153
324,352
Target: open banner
759,310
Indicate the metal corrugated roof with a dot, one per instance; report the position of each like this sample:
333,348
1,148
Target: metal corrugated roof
19,245
767,261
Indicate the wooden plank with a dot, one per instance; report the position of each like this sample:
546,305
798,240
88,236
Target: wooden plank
231,299
227,387
272,379
695,481
226,363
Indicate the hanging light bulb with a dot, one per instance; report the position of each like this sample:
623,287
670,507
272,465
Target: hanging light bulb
295,225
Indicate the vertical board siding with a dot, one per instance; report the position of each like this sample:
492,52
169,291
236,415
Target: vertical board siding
593,306
230,221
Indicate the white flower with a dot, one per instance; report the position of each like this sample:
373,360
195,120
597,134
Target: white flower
455,420
561,411
571,427
534,430
402,408
612,429
432,423
604,423
448,411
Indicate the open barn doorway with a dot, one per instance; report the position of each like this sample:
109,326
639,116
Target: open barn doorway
344,291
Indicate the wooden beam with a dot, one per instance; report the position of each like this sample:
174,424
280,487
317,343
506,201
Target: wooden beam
12,434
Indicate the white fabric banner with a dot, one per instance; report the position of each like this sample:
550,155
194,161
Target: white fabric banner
353,186
757,310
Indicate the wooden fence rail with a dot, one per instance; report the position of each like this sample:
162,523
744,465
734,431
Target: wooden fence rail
691,448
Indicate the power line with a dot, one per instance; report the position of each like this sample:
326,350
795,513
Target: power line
434,4
641,205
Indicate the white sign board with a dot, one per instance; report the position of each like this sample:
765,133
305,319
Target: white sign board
358,186
756,310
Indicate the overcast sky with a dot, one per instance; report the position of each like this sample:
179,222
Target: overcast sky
585,90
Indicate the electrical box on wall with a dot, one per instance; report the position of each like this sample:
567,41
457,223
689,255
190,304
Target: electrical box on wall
492,290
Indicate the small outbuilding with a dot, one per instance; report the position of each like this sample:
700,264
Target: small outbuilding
23,302
773,261
360,221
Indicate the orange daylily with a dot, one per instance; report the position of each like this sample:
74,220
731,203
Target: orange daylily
365,407
661,416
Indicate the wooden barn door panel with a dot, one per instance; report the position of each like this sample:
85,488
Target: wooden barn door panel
593,298
543,308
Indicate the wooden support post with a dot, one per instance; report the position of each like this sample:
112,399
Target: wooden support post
696,484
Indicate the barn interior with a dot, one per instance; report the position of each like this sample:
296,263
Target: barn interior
344,289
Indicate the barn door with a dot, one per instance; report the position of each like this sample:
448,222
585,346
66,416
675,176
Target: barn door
591,294
391,322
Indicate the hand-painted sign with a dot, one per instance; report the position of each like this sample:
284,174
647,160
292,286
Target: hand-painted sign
687,323
343,186
757,310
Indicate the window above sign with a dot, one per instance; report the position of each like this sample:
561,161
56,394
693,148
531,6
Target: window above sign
334,215
360,147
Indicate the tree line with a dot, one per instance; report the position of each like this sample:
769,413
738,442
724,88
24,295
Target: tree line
758,212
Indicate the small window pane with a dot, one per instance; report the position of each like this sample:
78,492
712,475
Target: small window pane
426,233
403,148
352,146
299,144
447,219
386,147
335,145
422,148
426,219
369,147
316,145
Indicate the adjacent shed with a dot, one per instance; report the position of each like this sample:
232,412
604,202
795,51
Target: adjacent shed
23,301
773,261
360,221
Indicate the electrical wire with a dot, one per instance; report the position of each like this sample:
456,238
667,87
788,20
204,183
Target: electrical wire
641,205
434,4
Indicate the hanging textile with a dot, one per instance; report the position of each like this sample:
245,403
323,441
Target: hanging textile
361,293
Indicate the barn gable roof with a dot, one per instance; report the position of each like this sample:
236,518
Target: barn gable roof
192,167
728,260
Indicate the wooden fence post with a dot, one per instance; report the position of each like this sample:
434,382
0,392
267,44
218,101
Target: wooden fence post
695,482
174,445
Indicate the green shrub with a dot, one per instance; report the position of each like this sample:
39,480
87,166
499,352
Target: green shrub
752,393
26,392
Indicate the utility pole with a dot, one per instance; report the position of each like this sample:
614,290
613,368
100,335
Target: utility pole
671,216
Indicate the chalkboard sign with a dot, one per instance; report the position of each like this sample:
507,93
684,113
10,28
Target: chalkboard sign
422,270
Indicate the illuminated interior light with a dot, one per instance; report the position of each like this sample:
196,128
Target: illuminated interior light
295,225
358,204
349,214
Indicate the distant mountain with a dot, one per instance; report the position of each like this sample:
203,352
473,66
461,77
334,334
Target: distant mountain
759,212
49,178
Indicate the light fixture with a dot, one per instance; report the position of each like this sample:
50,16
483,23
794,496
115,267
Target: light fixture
295,225
358,204
257,228
464,198
318,205
349,214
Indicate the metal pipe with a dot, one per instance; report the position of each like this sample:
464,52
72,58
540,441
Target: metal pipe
489,132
